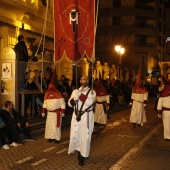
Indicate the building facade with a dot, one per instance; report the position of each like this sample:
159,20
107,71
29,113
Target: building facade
137,25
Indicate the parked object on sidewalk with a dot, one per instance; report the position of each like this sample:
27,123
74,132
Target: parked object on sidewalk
82,122
54,105
163,108
139,99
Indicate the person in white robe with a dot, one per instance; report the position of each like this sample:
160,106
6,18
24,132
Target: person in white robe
54,106
102,103
82,122
163,108
139,99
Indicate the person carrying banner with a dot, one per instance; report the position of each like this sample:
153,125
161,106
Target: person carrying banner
82,122
54,105
139,99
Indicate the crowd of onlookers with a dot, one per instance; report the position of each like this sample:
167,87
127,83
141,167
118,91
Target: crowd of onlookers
120,92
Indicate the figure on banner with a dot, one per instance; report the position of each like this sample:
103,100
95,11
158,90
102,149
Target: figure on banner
139,99
97,70
54,105
105,71
73,18
82,122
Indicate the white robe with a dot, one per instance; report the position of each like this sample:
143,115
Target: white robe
138,111
165,102
100,116
80,134
51,129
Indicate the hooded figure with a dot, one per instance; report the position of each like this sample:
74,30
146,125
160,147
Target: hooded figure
102,102
54,105
139,99
163,108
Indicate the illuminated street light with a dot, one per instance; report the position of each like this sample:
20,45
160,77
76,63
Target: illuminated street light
120,50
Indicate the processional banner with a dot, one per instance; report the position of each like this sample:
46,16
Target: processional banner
74,22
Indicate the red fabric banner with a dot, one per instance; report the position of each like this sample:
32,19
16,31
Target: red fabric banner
74,29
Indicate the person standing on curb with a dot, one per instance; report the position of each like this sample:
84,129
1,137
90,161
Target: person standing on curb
54,105
139,99
82,122
163,108
22,52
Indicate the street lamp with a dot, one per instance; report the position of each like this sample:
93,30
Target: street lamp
120,50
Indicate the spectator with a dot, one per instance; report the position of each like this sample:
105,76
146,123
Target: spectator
5,131
9,121
33,85
27,96
22,52
46,79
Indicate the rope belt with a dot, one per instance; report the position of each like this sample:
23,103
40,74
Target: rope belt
57,111
100,102
165,108
53,110
138,101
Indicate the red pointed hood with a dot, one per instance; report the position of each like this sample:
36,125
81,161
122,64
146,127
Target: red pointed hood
52,92
166,90
100,89
137,87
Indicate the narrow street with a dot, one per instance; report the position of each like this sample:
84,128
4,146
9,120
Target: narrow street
116,146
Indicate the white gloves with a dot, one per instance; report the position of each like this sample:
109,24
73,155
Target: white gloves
43,114
62,115
159,115
130,104
144,105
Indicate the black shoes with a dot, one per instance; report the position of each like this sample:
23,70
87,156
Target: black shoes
51,140
167,139
134,124
81,159
57,141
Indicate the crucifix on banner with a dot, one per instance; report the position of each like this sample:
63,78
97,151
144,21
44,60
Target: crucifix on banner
73,18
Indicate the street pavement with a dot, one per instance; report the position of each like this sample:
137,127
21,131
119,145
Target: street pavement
115,146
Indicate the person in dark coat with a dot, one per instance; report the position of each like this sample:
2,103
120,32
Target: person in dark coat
22,57
9,121
14,121
5,132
